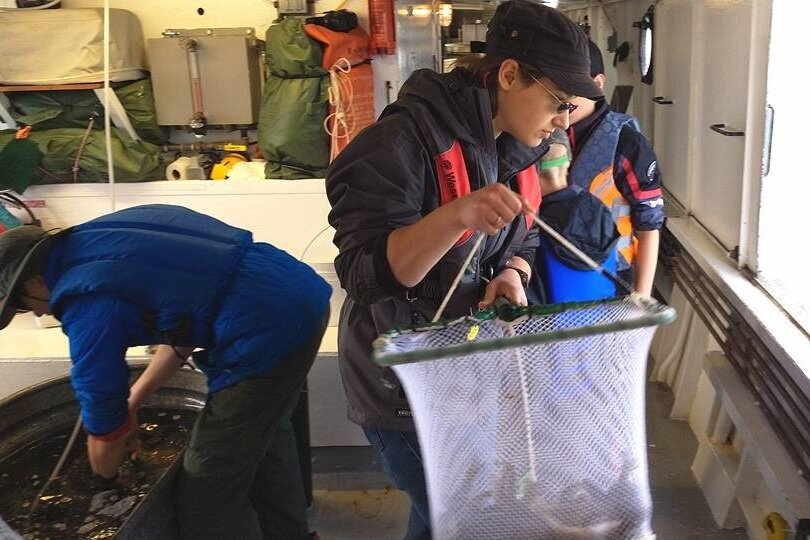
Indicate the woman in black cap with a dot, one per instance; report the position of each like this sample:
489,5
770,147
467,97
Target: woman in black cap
452,157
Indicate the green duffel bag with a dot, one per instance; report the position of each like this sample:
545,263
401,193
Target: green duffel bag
72,108
134,161
294,105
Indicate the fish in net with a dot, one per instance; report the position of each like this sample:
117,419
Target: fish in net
531,419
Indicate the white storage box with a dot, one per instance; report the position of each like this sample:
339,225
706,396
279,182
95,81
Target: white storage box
66,46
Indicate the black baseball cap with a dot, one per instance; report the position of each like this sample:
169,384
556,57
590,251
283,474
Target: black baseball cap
547,40
597,63
22,250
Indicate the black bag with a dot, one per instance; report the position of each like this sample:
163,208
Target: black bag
338,21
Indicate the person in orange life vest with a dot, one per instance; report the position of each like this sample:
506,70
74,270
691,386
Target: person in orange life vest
559,275
454,155
615,162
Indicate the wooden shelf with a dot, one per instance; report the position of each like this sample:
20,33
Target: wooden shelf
49,87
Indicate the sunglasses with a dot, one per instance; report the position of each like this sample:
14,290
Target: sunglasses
562,106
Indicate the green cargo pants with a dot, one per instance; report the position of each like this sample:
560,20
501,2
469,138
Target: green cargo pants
240,476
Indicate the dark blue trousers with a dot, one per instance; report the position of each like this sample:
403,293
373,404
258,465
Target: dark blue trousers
402,462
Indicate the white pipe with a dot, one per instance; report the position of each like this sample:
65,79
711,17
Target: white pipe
107,90
669,370
761,14
662,369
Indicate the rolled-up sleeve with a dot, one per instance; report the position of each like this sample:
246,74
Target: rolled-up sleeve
375,186
638,177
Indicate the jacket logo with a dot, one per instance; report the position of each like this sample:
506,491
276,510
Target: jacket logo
450,179
404,413
652,170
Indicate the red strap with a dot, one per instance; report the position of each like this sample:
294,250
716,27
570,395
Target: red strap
529,186
454,182
638,193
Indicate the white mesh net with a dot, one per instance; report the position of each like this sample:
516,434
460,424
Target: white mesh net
533,440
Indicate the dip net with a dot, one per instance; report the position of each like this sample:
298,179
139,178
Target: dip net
531,420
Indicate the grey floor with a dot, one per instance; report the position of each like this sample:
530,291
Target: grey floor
680,511
353,498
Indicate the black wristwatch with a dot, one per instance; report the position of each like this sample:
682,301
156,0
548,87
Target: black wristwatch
524,277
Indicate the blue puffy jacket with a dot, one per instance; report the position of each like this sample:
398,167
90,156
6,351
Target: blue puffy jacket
165,274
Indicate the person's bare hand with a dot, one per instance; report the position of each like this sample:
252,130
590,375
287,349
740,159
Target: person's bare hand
489,209
506,284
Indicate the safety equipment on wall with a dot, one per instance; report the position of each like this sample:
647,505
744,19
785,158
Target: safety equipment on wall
295,104
351,83
381,23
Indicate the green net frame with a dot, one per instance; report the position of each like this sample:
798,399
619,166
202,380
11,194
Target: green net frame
650,314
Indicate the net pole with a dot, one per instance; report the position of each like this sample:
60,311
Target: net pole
457,280
582,256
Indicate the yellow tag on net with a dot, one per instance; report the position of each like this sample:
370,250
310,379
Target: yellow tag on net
473,333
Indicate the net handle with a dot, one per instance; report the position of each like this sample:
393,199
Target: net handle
581,255
457,279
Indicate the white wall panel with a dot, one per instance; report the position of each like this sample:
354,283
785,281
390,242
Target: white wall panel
673,82
722,92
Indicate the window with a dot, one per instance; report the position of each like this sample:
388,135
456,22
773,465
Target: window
645,47
783,256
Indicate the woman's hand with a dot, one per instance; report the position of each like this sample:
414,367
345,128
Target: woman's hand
489,209
506,284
